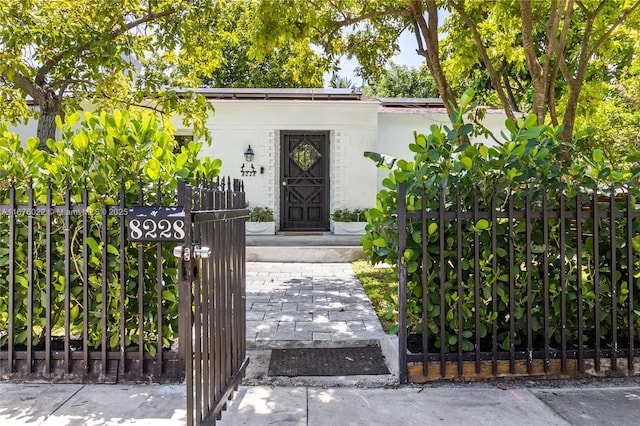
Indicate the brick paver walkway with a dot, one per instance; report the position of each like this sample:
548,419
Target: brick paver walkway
307,304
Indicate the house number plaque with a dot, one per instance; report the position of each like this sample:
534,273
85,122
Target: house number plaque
156,224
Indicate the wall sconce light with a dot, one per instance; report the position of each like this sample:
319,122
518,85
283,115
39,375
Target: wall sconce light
248,155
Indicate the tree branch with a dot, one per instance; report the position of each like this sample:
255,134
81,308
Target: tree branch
484,55
615,25
373,15
23,83
149,17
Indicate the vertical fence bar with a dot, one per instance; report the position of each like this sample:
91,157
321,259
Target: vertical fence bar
579,256
85,277
614,284
459,278
494,285
197,314
198,285
563,285
185,312
228,287
529,262
443,276
512,319
630,281
30,283
209,277
243,277
218,318
402,283
105,286
123,283
206,314
183,308
67,278
230,284
222,287
159,270
545,272
596,276
12,278
476,278
48,284
425,284
140,294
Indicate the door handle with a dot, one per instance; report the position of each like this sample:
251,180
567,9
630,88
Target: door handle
284,183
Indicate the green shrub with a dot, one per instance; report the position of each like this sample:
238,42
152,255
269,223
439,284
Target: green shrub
348,215
105,153
261,214
530,162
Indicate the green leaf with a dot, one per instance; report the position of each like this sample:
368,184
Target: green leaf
466,129
152,169
531,121
380,242
466,162
598,156
21,338
483,224
93,245
80,141
32,144
114,341
75,311
432,228
467,97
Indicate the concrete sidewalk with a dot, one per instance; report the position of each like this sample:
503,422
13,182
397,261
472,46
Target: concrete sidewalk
460,404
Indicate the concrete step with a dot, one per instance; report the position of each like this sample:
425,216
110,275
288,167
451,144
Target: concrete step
322,247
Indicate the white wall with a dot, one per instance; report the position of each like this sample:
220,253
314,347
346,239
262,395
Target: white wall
25,130
353,129
396,127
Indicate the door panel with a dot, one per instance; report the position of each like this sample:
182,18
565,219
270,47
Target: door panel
305,181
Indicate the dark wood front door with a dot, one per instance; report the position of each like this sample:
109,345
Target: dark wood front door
305,181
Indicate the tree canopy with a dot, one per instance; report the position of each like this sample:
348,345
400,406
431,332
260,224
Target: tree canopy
118,53
527,56
402,81
290,65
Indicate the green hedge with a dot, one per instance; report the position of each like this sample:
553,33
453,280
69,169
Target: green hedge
529,162
104,153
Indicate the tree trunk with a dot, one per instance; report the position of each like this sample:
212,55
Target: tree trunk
429,32
50,107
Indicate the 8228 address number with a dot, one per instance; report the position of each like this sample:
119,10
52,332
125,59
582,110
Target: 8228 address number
152,229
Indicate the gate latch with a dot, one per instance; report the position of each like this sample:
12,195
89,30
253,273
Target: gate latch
201,252
185,253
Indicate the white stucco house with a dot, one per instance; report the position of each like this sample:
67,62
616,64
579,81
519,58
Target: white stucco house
308,146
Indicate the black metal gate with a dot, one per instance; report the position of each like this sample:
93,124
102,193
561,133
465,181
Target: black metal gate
212,285
305,181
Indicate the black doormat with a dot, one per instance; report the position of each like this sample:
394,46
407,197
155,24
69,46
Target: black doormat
327,362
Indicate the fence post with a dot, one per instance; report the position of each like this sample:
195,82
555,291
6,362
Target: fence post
184,282
402,284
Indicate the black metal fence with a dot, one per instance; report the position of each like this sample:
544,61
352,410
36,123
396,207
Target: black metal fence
519,284
213,282
79,300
